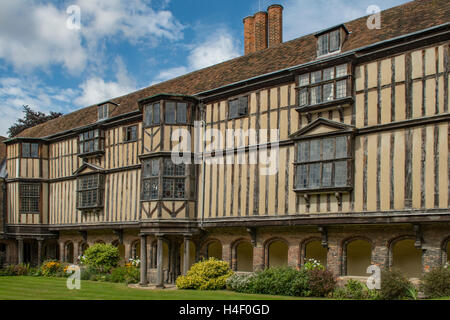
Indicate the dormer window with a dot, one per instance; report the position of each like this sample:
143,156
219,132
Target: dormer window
91,142
103,112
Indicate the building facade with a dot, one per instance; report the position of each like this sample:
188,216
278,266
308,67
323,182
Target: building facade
354,119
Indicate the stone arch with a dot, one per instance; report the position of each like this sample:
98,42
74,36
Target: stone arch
356,256
242,255
121,248
69,252
83,246
404,256
311,248
445,250
276,252
51,250
213,249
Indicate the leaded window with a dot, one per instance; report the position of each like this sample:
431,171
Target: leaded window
175,112
91,141
103,112
130,133
323,86
323,163
30,150
329,43
163,179
152,114
30,194
90,191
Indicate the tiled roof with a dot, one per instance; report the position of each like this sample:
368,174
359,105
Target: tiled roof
401,20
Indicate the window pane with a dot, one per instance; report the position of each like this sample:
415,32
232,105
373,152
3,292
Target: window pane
303,151
301,177
341,147
180,169
149,115
323,45
314,150
303,80
303,97
341,70
181,112
179,188
170,112
335,41
156,113
316,95
326,174
314,175
25,150
316,77
150,189
328,92
328,149
243,106
340,173
328,74
168,185
341,89
233,108
155,168
169,167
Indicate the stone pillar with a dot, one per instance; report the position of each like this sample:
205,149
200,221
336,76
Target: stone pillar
127,251
76,251
40,243
294,256
62,257
20,250
187,247
258,257
380,255
159,263
431,257
334,257
144,280
226,253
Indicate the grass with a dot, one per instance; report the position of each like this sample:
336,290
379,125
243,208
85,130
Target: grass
39,288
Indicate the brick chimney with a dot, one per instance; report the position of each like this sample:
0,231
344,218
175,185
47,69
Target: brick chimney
260,30
264,29
249,34
275,12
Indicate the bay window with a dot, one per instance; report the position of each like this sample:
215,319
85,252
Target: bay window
30,194
90,191
91,142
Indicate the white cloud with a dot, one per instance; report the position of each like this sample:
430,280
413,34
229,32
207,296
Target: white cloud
218,47
16,92
96,90
34,35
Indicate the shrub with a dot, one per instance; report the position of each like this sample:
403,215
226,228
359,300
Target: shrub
321,282
313,264
394,285
239,282
50,269
436,283
210,274
18,270
129,274
355,290
104,257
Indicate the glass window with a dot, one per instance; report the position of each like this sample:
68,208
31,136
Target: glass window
314,175
131,133
303,80
238,107
181,112
328,74
30,194
303,97
316,77
152,114
316,95
326,174
328,149
89,192
314,151
303,151
328,92
302,176
341,147
335,40
340,174
103,112
341,89
91,141
341,70
170,113
322,45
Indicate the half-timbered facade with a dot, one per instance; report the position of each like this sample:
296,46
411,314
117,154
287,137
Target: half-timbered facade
361,151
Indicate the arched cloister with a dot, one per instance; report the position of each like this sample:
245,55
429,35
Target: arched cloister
405,257
243,254
313,249
214,249
277,253
357,256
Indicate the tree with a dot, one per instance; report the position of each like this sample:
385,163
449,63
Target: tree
32,118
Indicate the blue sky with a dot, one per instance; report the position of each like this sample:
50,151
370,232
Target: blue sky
124,45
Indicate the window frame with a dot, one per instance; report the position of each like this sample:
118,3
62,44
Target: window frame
328,35
104,111
30,154
176,115
126,131
29,198
305,90
161,176
239,114
83,140
332,160
99,190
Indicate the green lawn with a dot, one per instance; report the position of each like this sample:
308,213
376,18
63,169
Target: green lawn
38,288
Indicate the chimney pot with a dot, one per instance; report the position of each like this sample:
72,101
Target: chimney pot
260,30
275,17
249,34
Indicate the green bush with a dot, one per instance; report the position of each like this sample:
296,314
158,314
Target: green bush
125,275
18,270
239,282
394,285
355,290
436,283
103,257
210,274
